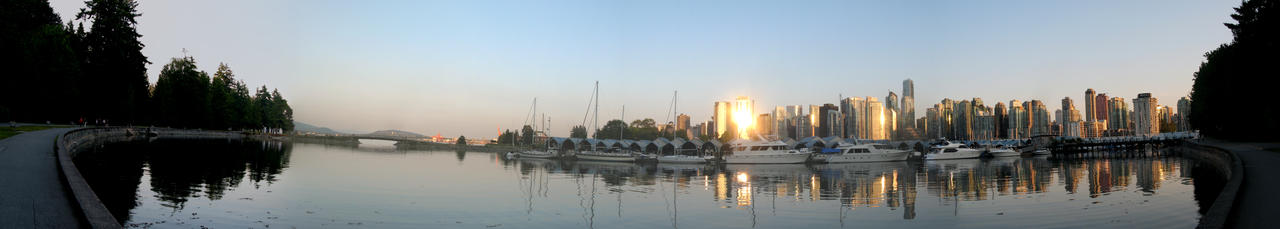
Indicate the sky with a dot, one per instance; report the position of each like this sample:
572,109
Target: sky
474,67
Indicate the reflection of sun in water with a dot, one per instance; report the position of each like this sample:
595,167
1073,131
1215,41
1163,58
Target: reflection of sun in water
742,177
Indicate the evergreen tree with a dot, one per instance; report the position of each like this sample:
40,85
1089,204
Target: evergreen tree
1232,96
117,87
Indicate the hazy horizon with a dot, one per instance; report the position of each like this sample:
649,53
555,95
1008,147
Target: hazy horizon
472,67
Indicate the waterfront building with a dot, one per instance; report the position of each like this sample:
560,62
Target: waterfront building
1040,118
1167,122
1088,105
723,117
983,123
891,110
908,105
1092,129
876,119
962,120
780,122
828,120
931,117
1101,110
744,110
852,116
922,123
1118,114
682,124
1145,121
1016,121
764,125
1184,108
1001,120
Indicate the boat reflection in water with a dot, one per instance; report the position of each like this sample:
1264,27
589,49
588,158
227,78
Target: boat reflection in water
325,186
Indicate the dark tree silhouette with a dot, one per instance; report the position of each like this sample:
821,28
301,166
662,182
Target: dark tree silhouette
578,131
117,87
1232,96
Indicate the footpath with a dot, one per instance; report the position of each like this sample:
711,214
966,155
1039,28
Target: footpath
32,194
1260,191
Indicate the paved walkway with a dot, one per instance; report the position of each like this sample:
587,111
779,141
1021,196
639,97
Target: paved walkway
1259,194
32,194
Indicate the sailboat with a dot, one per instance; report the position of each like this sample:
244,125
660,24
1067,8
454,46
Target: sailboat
676,157
535,153
606,154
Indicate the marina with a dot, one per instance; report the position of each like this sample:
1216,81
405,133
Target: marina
295,185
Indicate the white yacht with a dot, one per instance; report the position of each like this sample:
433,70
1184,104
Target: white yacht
765,152
1041,152
683,159
1001,151
537,154
608,155
866,153
949,150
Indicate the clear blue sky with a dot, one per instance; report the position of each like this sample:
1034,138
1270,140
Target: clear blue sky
470,67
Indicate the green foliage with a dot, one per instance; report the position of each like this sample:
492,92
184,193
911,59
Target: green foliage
578,131
186,97
462,140
117,89
182,94
507,137
62,73
1237,76
614,129
527,135
41,63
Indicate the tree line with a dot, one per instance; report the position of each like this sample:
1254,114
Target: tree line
1232,96
64,73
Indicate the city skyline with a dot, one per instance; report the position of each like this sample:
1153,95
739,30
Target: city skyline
430,71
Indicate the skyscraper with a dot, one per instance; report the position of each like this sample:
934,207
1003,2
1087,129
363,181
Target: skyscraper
1118,114
1145,121
876,120
764,125
1088,105
744,110
723,117
1001,121
1040,118
962,120
1184,107
891,111
780,122
1017,121
1101,110
908,103
682,124
828,120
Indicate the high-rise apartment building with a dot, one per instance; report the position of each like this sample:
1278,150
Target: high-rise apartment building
876,119
909,103
853,120
723,117
1118,115
1040,118
1088,105
764,125
1017,121
1184,108
828,124
1145,121
891,111
1102,110
1001,121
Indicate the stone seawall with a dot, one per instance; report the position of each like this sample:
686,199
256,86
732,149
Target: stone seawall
1226,164
81,140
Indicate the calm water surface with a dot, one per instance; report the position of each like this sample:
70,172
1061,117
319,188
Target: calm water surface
221,184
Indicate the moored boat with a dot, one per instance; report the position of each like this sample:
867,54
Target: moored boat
765,152
867,153
948,150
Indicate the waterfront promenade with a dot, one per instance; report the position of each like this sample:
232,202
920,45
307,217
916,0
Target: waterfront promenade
32,194
1258,193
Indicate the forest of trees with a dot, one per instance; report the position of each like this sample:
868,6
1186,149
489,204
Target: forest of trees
1232,96
63,73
